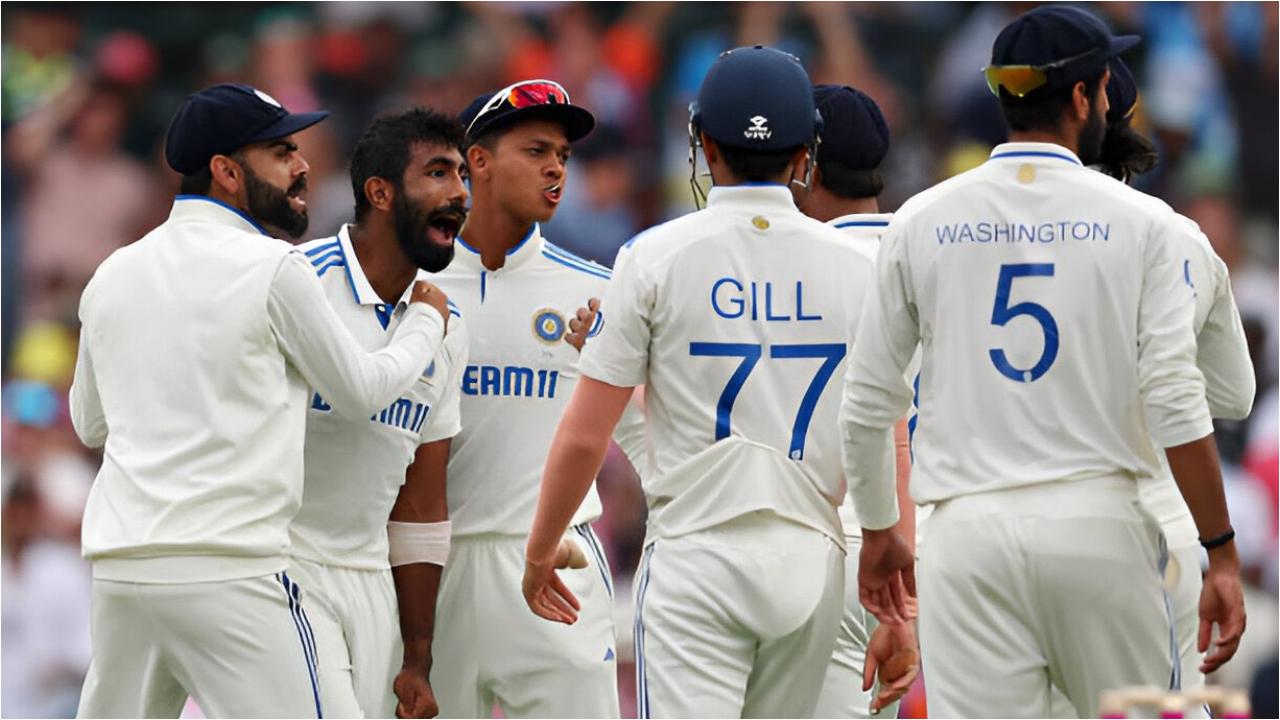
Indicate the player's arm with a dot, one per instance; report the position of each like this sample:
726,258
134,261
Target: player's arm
612,364
87,417
419,534
577,452
1173,391
876,397
1222,353
354,381
906,527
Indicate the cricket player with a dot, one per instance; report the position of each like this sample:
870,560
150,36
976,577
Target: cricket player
735,318
1041,567
1222,354
407,174
199,345
846,183
522,298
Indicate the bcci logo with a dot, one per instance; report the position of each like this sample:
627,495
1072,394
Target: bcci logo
548,326
758,130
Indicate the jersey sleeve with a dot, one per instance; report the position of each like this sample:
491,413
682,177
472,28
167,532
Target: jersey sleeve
445,420
316,342
619,354
1171,386
1222,353
876,392
87,416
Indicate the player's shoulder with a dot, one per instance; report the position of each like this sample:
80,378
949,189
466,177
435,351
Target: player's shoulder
323,254
663,242
573,266
824,238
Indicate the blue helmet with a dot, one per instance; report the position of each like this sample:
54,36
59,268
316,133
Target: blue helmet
756,98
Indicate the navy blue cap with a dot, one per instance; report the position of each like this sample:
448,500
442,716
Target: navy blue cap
1122,91
757,98
224,118
854,132
1054,33
576,120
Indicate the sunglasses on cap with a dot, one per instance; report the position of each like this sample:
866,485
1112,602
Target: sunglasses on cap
524,94
1018,80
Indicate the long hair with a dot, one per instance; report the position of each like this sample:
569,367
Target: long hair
1126,152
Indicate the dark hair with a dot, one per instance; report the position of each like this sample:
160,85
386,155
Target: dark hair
383,149
1125,152
1042,109
756,165
849,183
199,182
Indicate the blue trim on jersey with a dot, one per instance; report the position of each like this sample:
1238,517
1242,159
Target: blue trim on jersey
305,634
320,271
642,682
482,285
568,259
1035,153
864,223
384,312
321,248
334,253
589,537
464,244
756,183
453,309
345,266
579,268
237,211
523,240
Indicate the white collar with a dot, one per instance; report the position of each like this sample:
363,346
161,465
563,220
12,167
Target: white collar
1034,152
203,207
529,247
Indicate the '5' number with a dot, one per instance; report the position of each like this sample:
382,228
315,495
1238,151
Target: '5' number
1002,313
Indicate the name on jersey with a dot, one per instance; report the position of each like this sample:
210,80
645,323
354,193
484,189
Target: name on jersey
403,413
1044,233
769,301
509,381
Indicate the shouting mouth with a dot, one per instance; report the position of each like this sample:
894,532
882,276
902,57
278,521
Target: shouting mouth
553,193
444,223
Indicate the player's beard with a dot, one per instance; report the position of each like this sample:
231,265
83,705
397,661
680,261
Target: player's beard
1092,136
269,204
413,228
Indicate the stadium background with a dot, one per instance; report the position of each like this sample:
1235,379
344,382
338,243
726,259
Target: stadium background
88,91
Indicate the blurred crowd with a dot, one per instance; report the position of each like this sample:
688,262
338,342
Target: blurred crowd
88,91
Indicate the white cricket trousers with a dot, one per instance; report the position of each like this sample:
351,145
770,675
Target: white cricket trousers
738,620
489,646
357,628
1052,585
842,694
241,648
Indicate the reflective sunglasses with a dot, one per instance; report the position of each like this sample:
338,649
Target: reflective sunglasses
1018,80
527,93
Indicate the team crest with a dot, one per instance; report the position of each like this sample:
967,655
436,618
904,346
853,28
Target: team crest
759,129
548,326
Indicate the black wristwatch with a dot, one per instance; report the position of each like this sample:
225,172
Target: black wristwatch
1219,541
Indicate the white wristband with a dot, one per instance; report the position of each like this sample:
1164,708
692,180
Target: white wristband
418,542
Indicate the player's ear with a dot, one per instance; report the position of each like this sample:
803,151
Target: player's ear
1080,101
227,174
379,193
709,148
477,161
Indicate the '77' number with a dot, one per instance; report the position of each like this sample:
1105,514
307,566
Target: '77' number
831,354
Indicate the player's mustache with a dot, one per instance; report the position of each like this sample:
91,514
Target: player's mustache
298,187
454,214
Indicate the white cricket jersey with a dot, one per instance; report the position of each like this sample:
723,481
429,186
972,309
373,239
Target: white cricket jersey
355,468
197,347
1050,311
517,381
736,319
1222,354
866,229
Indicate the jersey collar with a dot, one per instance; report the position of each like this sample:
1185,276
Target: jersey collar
529,247
875,222
752,196
360,284
1035,152
207,209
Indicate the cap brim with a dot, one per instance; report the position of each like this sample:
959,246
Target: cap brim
288,125
577,122
1122,43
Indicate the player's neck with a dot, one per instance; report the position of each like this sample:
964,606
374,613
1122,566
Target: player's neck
493,232
386,267
1056,137
824,206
